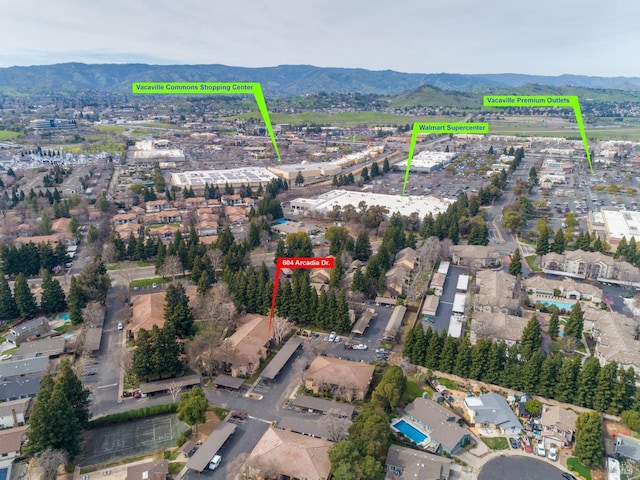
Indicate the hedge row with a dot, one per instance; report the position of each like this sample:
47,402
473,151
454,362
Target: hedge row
133,415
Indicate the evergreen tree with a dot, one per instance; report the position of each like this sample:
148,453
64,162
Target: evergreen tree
365,174
575,323
74,391
542,244
554,323
25,301
8,307
531,340
566,387
449,353
299,179
531,372
52,299
192,407
515,267
362,250
588,382
385,166
606,388
558,242
549,376
463,360
589,446
621,251
177,311
76,301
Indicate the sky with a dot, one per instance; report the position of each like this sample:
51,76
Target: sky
540,37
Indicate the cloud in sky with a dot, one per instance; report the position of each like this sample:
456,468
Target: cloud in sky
546,37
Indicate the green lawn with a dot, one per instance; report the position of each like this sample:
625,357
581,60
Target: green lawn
575,466
176,467
147,282
531,261
496,443
450,384
412,392
8,135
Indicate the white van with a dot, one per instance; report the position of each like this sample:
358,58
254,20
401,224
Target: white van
215,461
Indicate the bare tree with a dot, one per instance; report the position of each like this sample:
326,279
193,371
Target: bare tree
336,425
93,314
175,389
171,267
48,463
446,248
281,328
216,257
215,306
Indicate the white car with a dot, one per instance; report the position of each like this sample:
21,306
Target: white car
120,326
332,336
360,346
540,450
553,453
215,461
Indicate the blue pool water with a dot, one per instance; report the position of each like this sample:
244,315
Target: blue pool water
560,305
410,431
280,221
64,316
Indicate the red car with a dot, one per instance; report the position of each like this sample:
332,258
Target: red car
526,445
238,415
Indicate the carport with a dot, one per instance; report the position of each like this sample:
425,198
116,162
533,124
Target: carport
166,385
363,322
322,405
228,382
272,370
200,460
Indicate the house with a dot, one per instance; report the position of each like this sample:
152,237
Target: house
48,347
126,229
320,275
542,287
165,232
496,293
234,199
124,218
409,463
206,227
249,344
154,470
22,331
492,411
291,455
10,445
14,413
397,280
475,256
627,447
169,216
339,378
147,311
407,258
497,326
156,206
440,426
558,424
581,264
615,336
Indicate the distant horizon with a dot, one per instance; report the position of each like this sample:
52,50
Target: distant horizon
99,63
546,38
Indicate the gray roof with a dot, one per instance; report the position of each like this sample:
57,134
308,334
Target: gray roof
628,447
20,387
228,381
443,422
47,347
29,326
93,339
281,358
306,426
17,368
162,385
495,410
322,405
418,464
363,322
200,460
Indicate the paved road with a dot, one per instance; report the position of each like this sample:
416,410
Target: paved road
518,467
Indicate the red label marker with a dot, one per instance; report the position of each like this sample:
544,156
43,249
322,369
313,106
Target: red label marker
296,262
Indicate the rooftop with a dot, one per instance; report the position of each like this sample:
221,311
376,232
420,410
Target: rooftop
236,176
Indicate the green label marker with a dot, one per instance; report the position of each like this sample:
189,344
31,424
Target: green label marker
440,128
211,88
565,101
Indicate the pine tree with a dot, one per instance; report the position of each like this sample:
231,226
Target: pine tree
52,299
558,242
588,382
589,446
76,301
531,340
566,388
542,244
449,353
463,360
554,323
575,323
25,301
515,267
362,250
8,307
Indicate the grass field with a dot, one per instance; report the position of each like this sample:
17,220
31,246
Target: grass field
147,282
575,466
450,384
412,392
496,443
8,135
531,262
346,118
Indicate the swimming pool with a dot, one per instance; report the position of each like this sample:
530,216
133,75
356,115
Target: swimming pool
410,431
64,316
560,305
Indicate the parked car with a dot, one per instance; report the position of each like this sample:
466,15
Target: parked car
332,336
568,476
540,450
215,461
120,326
514,443
381,350
526,445
239,415
360,346
553,453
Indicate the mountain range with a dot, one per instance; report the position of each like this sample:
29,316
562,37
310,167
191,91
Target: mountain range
280,81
